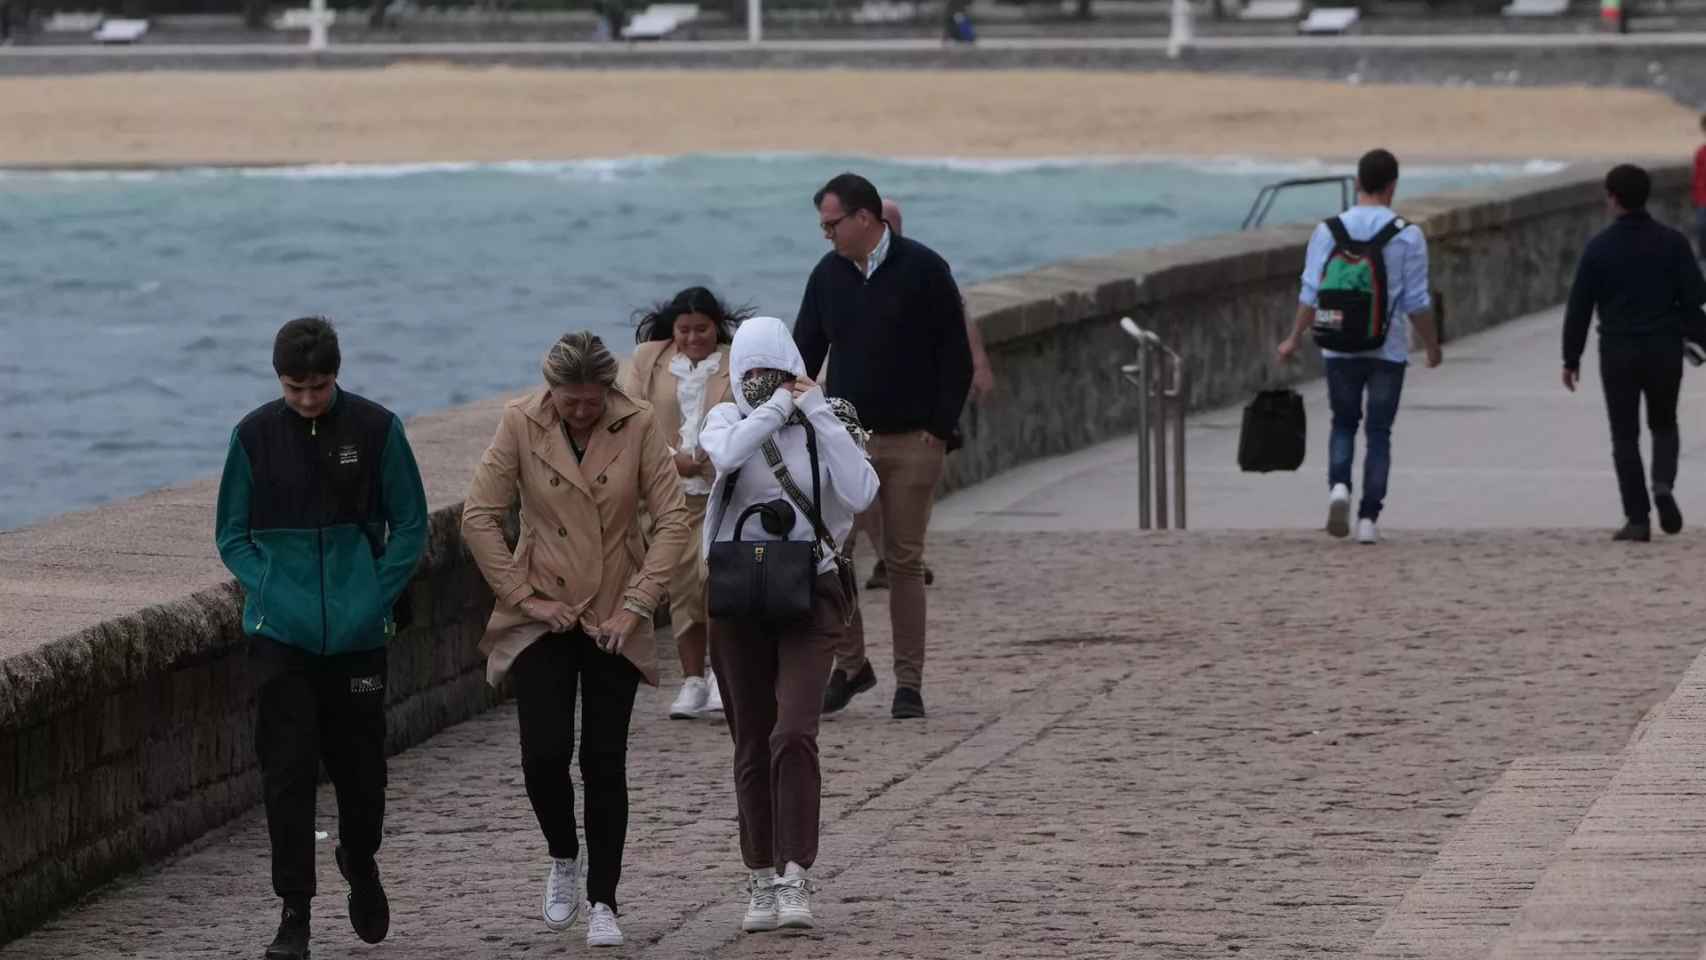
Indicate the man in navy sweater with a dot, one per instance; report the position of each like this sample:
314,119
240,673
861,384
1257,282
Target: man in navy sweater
889,307
1642,279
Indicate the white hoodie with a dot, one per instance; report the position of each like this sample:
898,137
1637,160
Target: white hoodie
734,432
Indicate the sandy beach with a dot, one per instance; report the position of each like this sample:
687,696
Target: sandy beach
433,113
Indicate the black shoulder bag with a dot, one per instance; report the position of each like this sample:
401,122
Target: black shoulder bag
766,580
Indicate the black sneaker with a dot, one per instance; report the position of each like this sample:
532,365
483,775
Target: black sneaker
1670,515
841,690
292,940
908,704
879,578
369,911
1635,533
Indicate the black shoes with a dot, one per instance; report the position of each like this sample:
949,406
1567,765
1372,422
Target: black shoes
1635,533
880,577
1670,515
292,940
841,690
369,911
908,704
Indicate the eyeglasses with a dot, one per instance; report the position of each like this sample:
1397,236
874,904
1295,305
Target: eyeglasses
830,225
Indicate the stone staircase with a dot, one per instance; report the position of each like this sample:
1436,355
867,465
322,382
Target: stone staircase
1576,856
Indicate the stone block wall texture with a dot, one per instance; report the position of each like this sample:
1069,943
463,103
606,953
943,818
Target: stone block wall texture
122,742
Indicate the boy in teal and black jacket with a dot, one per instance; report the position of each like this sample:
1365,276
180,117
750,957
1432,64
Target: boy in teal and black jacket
322,518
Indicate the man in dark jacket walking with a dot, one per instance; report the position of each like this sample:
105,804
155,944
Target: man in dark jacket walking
1642,278
889,307
321,518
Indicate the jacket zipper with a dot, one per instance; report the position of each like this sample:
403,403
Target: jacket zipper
261,599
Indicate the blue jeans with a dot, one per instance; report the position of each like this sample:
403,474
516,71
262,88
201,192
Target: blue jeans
1348,379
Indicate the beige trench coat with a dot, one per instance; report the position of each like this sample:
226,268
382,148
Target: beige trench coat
580,540
646,375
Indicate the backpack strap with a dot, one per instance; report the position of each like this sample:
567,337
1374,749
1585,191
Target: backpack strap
1393,227
1341,236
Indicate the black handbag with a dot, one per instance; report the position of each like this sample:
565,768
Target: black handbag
767,580
1275,432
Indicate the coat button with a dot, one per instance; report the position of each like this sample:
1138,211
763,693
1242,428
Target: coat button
602,479
556,480
562,531
559,581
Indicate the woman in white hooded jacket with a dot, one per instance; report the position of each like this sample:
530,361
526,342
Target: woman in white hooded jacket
773,675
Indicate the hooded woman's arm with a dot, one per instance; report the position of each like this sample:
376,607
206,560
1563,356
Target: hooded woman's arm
852,478
729,440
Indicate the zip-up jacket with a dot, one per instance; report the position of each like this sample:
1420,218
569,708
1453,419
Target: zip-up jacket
322,521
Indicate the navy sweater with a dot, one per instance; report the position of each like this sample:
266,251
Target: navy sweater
1642,277
901,354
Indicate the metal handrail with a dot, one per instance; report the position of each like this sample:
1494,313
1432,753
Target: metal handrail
1160,390
1265,198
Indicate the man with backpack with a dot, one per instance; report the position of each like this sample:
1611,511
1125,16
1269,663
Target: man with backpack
1642,279
1365,285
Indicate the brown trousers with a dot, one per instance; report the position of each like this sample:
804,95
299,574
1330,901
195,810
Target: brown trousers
909,470
772,678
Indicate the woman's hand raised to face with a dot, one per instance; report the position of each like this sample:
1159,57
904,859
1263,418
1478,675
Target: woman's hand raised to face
801,386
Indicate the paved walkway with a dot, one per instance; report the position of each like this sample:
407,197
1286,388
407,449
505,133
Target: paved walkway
1489,439
1170,746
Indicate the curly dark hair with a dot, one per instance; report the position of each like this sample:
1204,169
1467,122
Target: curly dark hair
658,323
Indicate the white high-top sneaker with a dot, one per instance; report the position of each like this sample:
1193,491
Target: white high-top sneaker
601,928
690,702
794,898
562,894
761,902
713,701
1367,531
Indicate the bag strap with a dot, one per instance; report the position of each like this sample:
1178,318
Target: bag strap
723,506
809,507
1393,227
1341,236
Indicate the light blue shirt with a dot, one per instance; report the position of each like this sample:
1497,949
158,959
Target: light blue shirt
1406,274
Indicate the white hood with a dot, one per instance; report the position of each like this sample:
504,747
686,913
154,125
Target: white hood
761,342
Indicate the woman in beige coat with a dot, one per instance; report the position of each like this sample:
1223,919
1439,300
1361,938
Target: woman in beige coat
681,367
575,600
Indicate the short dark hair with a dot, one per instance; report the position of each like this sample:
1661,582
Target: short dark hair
306,347
1377,170
855,193
1630,185
1703,121
658,323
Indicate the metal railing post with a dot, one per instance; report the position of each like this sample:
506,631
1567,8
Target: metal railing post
1159,375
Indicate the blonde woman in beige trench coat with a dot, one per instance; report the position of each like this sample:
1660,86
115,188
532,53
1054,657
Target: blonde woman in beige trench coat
574,602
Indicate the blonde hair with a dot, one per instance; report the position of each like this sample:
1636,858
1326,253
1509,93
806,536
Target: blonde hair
579,358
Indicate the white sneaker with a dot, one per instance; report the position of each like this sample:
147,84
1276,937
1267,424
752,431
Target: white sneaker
601,928
562,894
690,702
794,898
761,903
714,700
1339,511
1366,531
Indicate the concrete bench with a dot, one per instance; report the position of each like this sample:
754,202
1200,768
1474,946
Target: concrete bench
660,20
1329,20
1536,8
121,31
1271,10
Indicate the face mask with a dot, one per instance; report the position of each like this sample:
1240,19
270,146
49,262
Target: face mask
758,387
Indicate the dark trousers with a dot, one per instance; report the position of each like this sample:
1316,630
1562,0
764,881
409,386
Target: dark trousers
1630,369
313,710
1349,379
772,678
545,676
